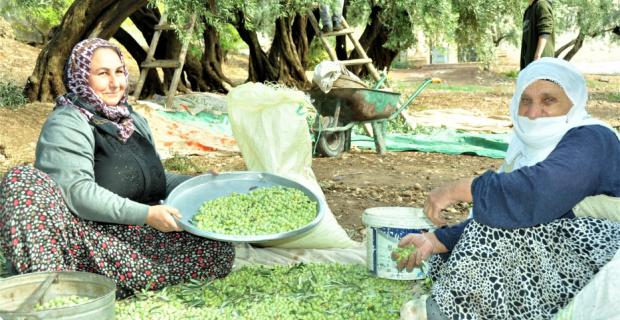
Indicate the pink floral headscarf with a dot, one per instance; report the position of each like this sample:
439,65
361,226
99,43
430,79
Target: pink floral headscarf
115,120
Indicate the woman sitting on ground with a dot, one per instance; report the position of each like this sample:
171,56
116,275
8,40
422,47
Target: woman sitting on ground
92,202
524,254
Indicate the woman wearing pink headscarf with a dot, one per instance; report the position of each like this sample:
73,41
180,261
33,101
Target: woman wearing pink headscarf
92,201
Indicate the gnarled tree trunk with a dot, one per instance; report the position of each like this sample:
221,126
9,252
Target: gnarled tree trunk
287,56
373,38
283,54
259,66
85,18
213,78
577,43
145,20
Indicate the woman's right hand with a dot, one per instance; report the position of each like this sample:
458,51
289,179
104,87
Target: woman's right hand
424,248
437,200
445,196
161,217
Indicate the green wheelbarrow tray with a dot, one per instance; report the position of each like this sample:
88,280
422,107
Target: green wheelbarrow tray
356,104
342,108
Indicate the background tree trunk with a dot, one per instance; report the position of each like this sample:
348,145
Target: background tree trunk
373,38
85,18
259,66
284,62
213,78
577,43
145,20
302,37
283,54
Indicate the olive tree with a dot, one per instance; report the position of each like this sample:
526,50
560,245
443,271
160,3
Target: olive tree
588,19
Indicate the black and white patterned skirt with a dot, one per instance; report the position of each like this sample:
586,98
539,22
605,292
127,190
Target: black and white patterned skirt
528,273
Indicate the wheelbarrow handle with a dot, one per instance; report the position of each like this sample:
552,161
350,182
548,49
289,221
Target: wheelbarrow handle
414,95
380,81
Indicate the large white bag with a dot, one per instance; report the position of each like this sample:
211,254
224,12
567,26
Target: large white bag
269,124
599,299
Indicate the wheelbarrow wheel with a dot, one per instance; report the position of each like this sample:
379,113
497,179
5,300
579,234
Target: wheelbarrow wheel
330,144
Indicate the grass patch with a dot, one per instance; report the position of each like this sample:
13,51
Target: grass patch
511,74
606,96
182,165
11,95
457,88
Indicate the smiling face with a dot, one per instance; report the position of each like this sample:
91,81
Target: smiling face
107,76
544,98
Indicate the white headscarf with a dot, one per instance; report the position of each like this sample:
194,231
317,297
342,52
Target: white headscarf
529,148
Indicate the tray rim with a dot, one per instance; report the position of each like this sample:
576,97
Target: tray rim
248,175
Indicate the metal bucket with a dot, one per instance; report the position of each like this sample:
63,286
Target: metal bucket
19,295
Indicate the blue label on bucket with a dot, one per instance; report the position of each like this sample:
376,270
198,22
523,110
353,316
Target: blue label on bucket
398,232
383,241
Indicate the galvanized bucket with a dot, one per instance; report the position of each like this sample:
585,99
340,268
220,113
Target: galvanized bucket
20,294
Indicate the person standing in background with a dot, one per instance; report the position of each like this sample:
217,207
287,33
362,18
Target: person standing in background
332,22
538,32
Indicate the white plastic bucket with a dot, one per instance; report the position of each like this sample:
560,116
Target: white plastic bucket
385,226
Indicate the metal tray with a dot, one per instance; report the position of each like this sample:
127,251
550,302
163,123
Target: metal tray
191,194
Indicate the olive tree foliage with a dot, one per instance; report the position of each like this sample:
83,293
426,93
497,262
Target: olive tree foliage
285,22
587,19
392,26
34,16
83,19
483,24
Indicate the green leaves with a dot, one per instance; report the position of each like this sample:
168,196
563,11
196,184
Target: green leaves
11,95
301,291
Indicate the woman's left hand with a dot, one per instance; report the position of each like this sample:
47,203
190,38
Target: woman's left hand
161,217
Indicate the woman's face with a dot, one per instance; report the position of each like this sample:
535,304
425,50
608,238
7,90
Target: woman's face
107,77
544,98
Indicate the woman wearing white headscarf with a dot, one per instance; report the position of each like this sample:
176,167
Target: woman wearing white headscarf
524,254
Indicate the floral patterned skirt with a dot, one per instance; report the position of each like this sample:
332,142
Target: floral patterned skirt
39,233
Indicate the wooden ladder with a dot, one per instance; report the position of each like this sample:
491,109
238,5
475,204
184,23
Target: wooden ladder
177,64
365,60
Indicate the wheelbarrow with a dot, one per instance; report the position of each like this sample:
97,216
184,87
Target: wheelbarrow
339,110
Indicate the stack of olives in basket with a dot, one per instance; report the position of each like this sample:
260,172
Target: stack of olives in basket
262,211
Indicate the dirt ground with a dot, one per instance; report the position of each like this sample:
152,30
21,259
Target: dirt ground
353,181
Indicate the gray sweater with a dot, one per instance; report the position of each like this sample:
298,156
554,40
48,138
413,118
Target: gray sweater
65,151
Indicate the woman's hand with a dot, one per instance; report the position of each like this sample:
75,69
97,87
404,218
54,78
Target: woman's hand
445,196
161,217
424,248
437,200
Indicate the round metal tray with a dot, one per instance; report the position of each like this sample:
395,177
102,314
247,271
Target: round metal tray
191,194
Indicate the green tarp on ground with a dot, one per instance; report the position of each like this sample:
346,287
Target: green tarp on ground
442,140
215,122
